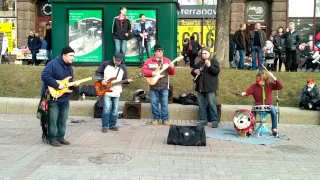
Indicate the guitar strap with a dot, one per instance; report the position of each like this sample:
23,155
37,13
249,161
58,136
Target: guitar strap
118,72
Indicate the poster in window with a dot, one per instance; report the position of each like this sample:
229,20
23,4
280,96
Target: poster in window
132,53
86,34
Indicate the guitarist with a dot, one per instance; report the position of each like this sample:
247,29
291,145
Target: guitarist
159,93
107,70
58,69
207,72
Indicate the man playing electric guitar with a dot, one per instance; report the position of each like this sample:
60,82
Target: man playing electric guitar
106,71
58,69
159,92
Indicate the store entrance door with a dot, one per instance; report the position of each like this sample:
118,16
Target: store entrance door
41,25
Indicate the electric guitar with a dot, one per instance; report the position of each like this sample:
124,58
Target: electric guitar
56,93
100,89
153,80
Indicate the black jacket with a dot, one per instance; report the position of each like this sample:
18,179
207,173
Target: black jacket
278,42
208,80
120,28
48,38
292,40
34,43
240,40
262,37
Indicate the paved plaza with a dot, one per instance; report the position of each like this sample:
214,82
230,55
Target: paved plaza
139,151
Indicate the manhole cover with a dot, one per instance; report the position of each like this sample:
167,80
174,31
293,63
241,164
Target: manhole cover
294,149
110,158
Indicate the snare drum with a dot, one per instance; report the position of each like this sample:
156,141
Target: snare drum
261,108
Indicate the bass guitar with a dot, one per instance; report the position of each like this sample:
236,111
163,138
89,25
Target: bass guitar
100,89
56,93
153,80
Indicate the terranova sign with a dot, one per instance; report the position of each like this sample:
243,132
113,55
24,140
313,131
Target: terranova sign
256,12
197,11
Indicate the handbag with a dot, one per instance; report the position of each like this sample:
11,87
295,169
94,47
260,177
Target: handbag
187,135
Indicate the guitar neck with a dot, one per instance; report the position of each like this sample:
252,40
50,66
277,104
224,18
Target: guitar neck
117,83
163,69
80,81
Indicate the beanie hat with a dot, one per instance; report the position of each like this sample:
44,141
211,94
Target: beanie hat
66,50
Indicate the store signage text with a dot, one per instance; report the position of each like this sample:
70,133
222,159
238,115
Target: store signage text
198,11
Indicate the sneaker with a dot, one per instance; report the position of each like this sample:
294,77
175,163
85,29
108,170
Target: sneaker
166,123
215,125
64,142
55,144
275,132
104,130
114,128
203,123
155,122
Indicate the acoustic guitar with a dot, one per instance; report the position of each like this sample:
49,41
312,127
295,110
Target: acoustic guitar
56,93
153,80
100,89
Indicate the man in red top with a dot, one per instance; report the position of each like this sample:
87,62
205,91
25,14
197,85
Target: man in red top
262,94
160,91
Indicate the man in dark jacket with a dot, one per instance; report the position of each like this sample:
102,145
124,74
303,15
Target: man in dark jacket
48,39
34,45
279,49
206,73
144,31
121,29
242,44
193,50
292,41
58,69
258,39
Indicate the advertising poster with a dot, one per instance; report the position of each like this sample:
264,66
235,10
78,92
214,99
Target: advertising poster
188,28
7,29
86,34
132,54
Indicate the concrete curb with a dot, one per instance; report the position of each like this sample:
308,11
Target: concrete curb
28,106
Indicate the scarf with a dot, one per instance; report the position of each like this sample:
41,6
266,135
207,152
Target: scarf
263,95
121,19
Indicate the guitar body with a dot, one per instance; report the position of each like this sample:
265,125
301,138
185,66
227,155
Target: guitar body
153,80
100,89
56,93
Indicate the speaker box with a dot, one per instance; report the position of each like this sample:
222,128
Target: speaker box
75,94
132,110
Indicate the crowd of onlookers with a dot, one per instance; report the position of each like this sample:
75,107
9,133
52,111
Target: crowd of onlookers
35,43
284,47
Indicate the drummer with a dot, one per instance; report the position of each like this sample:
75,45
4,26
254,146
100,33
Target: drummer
261,91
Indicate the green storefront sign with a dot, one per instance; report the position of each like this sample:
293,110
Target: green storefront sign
86,34
132,54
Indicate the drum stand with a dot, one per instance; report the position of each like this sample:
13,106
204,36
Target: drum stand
262,127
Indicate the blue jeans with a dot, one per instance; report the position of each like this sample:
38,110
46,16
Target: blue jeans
49,55
211,99
156,97
58,114
34,57
121,46
148,50
254,51
242,53
110,111
273,113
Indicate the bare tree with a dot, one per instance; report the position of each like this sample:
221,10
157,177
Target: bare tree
222,32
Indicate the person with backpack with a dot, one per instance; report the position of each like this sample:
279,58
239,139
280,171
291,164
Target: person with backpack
193,50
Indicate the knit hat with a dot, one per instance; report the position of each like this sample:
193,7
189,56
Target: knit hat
310,80
67,50
206,49
118,57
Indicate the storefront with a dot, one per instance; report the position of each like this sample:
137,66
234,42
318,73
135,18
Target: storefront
87,27
198,21
44,11
8,22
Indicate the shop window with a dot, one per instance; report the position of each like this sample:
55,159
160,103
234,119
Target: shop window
305,26
298,9
7,8
9,27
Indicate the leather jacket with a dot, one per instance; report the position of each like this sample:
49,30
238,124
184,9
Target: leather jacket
279,43
292,40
